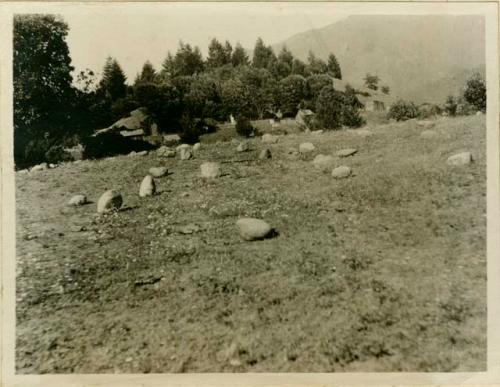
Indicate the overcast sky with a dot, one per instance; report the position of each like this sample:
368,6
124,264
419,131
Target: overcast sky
134,34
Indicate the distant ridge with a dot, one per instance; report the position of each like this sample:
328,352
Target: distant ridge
409,53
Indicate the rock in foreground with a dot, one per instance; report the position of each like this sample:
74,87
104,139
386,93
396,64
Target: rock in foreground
253,229
323,161
158,171
148,187
210,170
109,201
341,172
463,158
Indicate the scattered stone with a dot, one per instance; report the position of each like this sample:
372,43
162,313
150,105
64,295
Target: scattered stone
426,124
110,200
243,147
23,171
52,166
148,187
253,229
463,158
306,147
171,139
182,146
341,172
39,167
196,147
210,170
78,228
165,151
364,132
346,152
189,229
292,151
265,154
269,139
315,132
142,153
158,171
323,162
185,153
428,134
77,200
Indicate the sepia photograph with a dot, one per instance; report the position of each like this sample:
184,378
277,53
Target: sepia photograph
249,188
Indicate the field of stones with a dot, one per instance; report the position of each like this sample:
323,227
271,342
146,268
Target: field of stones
354,250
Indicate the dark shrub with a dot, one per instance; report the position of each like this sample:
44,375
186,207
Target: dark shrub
475,92
111,144
450,106
244,127
427,110
123,106
329,108
403,110
56,154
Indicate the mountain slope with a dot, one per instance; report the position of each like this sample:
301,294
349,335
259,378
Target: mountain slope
406,52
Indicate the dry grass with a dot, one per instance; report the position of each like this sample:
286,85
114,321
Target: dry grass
383,271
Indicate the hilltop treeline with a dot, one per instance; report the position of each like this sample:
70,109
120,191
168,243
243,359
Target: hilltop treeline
51,112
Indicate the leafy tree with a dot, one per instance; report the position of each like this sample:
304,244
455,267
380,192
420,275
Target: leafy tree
187,61
385,89
236,98
293,91
239,57
203,99
316,83
112,83
218,54
350,109
298,67
329,108
371,81
262,89
43,95
263,56
283,66
147,75
315,65
334,67
475,92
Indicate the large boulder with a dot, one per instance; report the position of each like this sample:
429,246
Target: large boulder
210,170
158,171
463,158
341,172
110,200
323,161
253,229
148,187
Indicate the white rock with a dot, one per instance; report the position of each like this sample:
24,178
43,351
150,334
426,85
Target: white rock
346,152
182,146
196,147
77,200
142,153
39,167
171,139
315,132
306,147
185,153
109,201
323,161
165,151
210,170
243,147
463,158
265,154
158,171
252,229
148,187
52,166
363,132
269,139
341,172
428,134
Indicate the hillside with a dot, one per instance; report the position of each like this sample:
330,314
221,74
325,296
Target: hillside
406,52
381,271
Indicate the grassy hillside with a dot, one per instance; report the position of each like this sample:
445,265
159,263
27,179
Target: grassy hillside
404,51
382,271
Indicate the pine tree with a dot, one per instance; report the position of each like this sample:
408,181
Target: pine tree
239,57
218,55
147,75
113,80
263,56
334,67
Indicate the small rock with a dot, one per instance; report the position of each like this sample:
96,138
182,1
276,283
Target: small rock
463,158
148,187
196,147
235,362
292,151
316,132
131,154
158,171
171,139
346,152
323,161
306,147
243,147
52,166
189,229
77,200
428,134
210,170
269,139
426,124
265,154
39,167
185,153
165,151
110,200
253,229
364,132
142,153
341,172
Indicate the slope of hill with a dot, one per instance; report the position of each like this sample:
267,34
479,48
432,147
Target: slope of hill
381,271
406,52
